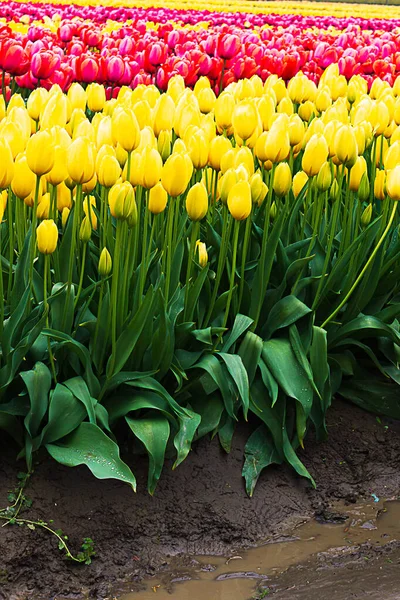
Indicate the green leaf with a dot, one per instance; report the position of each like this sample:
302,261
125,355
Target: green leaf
226,432
66,412
80,390
120,406
241,324
361,328
211,365
184,437
89,445
129,337
38,383
259,452
281,360
210,409
293,459
285,312
154,434
238,373
250,352
124,377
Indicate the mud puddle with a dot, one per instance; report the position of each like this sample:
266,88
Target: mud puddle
295,562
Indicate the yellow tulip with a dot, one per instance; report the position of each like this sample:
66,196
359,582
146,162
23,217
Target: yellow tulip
64,216
47,236
80,160
158,198
345,145
356,173
244,119
393,183
259,189
315,154
96,97
299,181
197,202
59,172
125,129
23,182
175,174
121,200
324,178
152,166
63,197
282,179
36,102
105,263
226,183
202,253
77,96
198,148
277,144
40,153
164,114
109,171
392,156
218,147
239,200
85,230
380,185
43,208
223,111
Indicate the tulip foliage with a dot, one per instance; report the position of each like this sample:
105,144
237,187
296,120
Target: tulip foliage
173,262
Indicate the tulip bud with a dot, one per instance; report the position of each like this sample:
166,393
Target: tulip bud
40,153
259,189
105,263
47,236
380,185
152,166
3,203
164,114
239,200
345,145
273,211
125,129
85,230
36,102
218,147
158,198
324,178
24,180
223,111
366,216
80,160
197,202
77,96
164,144
121,200
64,217
227,181
206,99
299,181
334,192
175,175
282,179
96,97
109,171
202,252
197,145
356,173
315,154
43,208
364,188
244,119
393,183
63,197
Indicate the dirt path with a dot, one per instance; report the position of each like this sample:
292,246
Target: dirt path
201,508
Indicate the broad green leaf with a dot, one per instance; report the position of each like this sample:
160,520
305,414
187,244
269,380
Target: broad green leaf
238,373
129,337
120,406
184,437
281,360
66,412
225,433
152,384
361,328
124,377
211,365
89,445
250,352
372,393
240,325
293,459
80,390
286,312
210,409
271,415
38,383
259,452
154,434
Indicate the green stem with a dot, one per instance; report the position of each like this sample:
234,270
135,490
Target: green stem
143,266
46,278
10,243
114,295
80,285
193,238
365,268
232,276
168,249
245,248
32,244
72,253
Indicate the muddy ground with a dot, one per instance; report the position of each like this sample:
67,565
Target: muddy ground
201,508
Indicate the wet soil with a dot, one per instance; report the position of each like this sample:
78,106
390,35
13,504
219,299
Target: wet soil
201,508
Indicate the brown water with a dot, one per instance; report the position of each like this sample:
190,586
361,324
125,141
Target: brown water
238,576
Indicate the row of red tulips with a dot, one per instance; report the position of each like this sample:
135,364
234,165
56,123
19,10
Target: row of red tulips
133,54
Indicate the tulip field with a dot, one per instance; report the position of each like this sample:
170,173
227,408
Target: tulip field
199,226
